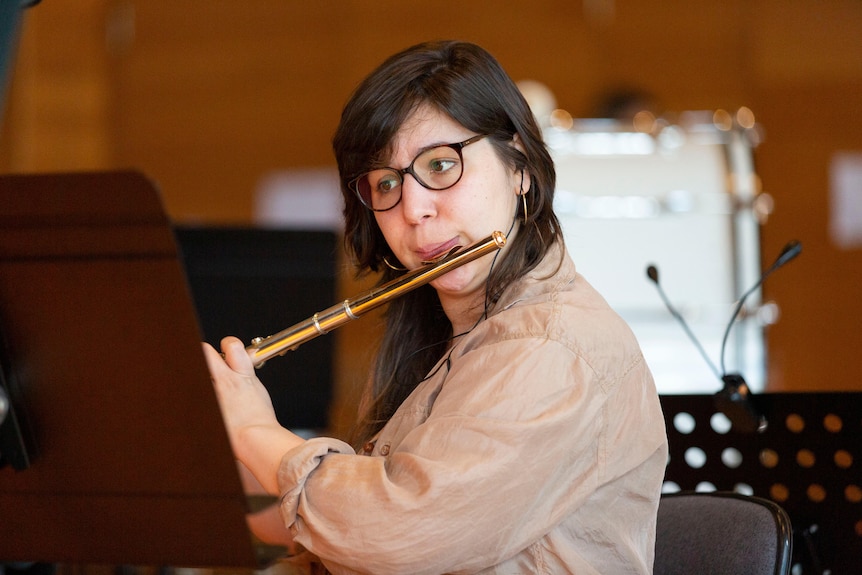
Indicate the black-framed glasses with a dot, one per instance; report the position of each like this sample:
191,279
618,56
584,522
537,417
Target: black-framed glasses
437,168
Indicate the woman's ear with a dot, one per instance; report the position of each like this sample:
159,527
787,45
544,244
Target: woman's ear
521,173
524,183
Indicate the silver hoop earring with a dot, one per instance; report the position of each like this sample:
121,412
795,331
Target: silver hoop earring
390,266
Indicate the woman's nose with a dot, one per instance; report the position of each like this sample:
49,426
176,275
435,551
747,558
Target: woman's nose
417,201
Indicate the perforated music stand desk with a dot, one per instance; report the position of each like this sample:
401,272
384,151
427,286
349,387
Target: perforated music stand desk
807,460
129,461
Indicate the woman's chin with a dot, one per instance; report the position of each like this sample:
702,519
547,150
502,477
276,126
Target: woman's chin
458,282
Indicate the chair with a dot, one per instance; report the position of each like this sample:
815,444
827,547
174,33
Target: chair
721,533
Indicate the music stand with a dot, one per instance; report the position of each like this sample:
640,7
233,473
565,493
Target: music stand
806,460
120,455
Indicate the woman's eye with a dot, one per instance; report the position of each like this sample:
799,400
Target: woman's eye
440,165
387,184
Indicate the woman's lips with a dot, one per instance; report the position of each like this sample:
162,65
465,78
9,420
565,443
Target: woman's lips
429,254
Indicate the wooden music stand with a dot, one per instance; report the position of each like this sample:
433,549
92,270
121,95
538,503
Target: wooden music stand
120,455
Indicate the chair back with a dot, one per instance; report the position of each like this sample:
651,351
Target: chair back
721,533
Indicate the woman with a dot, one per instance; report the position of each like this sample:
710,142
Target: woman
511,424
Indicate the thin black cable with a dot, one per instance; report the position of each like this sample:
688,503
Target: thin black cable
484,314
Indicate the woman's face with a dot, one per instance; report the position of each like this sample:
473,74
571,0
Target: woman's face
427,223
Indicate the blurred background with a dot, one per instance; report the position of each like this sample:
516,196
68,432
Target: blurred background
215,100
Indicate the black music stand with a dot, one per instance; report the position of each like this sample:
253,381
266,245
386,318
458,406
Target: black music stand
119,455
251,282
807,460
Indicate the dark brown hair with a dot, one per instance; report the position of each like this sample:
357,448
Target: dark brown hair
465,82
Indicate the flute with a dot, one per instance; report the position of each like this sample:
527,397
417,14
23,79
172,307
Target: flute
264,348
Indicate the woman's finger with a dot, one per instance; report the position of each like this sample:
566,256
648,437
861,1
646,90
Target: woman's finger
215,360
236,356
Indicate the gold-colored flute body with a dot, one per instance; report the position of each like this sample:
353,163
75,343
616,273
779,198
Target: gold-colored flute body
262,349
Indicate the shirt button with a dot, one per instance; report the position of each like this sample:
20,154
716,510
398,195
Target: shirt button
368,447
384,451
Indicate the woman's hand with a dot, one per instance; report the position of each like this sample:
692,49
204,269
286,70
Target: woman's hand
244,400
257,439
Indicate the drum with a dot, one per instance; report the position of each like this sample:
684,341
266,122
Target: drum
685,199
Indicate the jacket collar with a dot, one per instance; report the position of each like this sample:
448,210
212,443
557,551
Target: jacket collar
556,266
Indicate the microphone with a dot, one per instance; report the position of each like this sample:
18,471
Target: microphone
790,251
652,273
734,399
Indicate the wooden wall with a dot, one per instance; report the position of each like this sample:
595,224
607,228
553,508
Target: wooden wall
209,96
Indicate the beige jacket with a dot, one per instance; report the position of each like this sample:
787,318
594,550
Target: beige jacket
539,447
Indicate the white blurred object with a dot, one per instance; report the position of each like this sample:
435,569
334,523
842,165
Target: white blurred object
845,192
540,98
300,199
